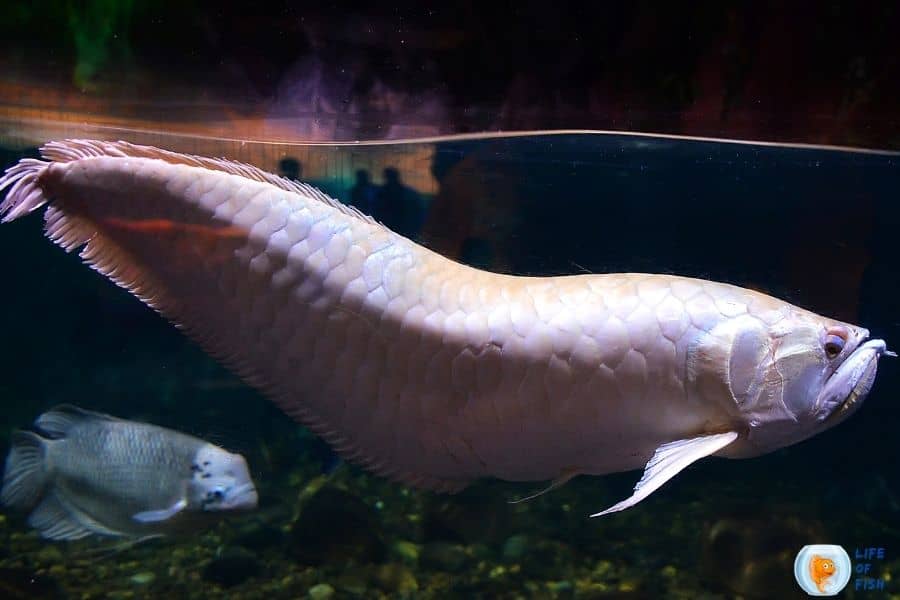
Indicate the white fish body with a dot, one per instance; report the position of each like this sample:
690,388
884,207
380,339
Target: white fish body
89,473
428,371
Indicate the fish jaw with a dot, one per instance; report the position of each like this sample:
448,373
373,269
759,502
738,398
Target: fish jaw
242,498
850,384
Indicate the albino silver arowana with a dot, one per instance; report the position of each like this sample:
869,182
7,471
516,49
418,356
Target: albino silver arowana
431,372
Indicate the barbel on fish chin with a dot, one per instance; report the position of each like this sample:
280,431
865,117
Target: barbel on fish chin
431,372
89,473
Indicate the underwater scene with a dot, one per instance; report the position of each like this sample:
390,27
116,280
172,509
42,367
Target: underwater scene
812,226
472,300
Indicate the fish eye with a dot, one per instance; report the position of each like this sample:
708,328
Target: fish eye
835,340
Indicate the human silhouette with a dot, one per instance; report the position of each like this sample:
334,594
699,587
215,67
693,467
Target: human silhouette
290,168
363,193
475,215
397,205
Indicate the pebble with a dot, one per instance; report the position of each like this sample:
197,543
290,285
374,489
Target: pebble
396,579
235,565
143,578
321,591
406,551
515,547
557,587
353,581
49,554
56,571
443,556
603,569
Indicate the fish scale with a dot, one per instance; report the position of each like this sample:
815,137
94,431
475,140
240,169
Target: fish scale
420,368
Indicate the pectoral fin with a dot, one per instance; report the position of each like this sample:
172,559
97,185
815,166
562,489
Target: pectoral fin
668,460
155,516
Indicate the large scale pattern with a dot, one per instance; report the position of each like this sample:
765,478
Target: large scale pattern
419,368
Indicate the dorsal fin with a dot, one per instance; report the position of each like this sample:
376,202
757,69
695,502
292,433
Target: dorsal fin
57,421
75,149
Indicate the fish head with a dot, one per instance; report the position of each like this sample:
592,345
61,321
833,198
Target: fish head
221,481
786,381
825,566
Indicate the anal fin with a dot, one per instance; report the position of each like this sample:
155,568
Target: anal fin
55,520
669,460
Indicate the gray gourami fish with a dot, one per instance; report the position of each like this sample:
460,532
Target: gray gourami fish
431,372
90,473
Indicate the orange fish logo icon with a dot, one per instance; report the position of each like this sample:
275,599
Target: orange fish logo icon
822,569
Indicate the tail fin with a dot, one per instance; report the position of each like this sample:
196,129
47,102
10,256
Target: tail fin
25,475
25,195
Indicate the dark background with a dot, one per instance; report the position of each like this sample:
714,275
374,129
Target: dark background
823,72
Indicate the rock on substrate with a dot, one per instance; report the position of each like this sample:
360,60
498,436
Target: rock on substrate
234,566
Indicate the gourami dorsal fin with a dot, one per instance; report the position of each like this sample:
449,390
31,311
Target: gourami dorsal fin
60,419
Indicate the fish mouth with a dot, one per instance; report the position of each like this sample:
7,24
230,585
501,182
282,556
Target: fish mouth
242,498
851,382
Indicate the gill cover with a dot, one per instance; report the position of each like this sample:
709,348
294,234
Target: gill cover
766,378
728,365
